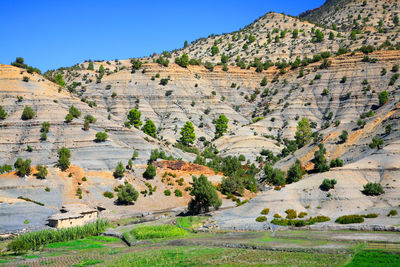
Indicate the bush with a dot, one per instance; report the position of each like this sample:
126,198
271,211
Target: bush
119,170
108,194
373,189
167,192
150,128
28,113
63,158
3,113
178,193
261,219
328,184
265,211
5,168
383,97
320,163
291,214
221,125
336,163
164,81
150,172
69,118
127,194
376,142
101,137
392,213
274,176
74,112
23,167
343,137
347,219
302,214
42,171
187,134
295,173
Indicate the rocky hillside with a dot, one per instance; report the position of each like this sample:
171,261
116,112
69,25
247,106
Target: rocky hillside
265,78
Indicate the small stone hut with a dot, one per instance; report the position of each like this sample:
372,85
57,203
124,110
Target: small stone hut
73,215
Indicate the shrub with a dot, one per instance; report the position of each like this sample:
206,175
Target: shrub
276,215
394,79
264,81
336,163
383,97
5,168
3,113
101,137
150,172
265,211
127,194
178,193
47,189
23,167
209,66
328,184
291,214
295,173
302,214
261,219
303,134
74,112
343,137
376,142
373,189
28,113
392,213
150,128
164,81
108,194
119,170
274,176
63,158
347,219
42,171
320,163
69,118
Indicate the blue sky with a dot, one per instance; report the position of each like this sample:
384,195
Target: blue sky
53,34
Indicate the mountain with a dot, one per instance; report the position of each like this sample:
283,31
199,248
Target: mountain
265,78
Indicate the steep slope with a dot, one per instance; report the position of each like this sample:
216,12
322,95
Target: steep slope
52,106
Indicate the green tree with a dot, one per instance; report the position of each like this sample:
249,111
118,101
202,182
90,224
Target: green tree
328,184
396,20
101,69
221,125
127,194
224,58
205,196
319,36
295,173
149,128
320,162
101,136
136,64
303,134
184,62
42,171
74,112
187,134
3,113
28,113
23,167
150,172
214,50
343,137
376,142
383,97
295,33
134,118
58,79
373,189
63,158
119,170
90,66
264,81
69,117
185,44
274,176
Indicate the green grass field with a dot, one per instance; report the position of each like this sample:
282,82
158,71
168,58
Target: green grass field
189,221
375,258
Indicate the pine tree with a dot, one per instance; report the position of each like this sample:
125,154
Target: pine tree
150,128
221,125
134,118
320,162
119,170
303,133
3,113
187,134
205,196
